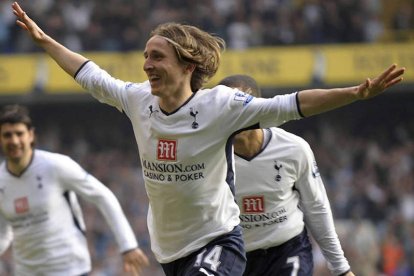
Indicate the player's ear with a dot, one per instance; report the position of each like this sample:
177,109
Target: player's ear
32,136
190,67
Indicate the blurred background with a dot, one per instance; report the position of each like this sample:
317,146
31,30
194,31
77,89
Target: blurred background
365,151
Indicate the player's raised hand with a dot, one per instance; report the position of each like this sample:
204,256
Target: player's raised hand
134,261
64,57
371,88
25,22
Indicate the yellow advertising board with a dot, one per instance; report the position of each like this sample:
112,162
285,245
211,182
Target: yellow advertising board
317,64
296,66
18,73
354,63
125,66
269,66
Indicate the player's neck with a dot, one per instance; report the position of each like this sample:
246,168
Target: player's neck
18,166
172,101
248,143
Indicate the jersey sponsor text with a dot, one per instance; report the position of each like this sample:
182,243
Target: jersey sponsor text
172,172
252,220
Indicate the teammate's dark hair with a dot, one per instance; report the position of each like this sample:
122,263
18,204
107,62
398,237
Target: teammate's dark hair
244,83
14,114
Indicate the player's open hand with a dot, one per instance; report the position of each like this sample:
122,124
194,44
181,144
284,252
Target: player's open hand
24,21
371,88
134,261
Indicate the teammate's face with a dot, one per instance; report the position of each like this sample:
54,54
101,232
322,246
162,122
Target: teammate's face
168,77
16,141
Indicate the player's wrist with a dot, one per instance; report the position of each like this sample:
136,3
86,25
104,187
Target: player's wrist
345,273
129,250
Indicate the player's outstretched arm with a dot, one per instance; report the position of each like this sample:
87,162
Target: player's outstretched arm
65,58
134,261
315,101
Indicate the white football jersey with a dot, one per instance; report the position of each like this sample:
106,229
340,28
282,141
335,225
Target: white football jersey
187,155
279,191
41,216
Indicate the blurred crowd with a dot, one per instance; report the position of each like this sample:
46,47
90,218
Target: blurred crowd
124,25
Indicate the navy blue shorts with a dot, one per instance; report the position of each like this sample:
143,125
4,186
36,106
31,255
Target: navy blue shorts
223,256
293,257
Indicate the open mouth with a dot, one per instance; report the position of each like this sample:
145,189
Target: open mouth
153,78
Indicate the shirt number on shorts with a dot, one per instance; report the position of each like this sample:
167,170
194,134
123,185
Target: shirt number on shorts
212,258
295,263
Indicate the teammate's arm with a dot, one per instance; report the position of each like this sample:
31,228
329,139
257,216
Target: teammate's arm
318,216
6,234
74,177
315,101
94,191
68,60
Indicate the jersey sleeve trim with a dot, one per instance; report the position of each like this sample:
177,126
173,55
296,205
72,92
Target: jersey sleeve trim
80,68
298,105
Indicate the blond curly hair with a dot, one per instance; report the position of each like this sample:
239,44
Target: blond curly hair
194,46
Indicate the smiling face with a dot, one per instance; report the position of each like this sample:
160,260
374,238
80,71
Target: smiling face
168,77
16,142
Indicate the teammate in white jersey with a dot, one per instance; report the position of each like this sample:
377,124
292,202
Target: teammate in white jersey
184,137
39,211
280,191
